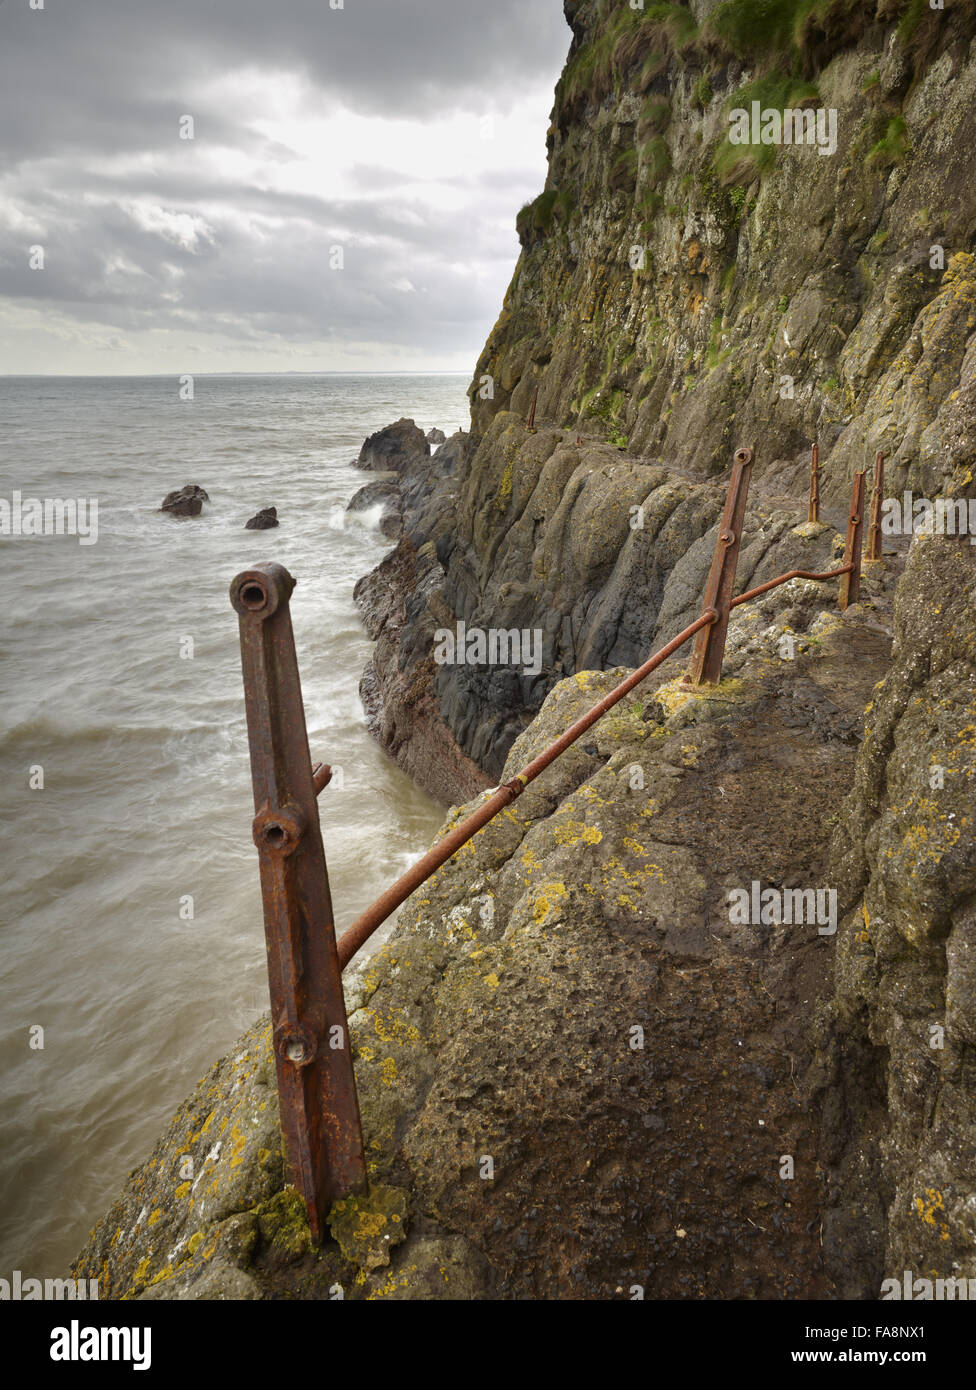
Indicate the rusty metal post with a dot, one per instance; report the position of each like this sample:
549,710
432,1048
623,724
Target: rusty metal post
813,511
709,649
316,1086
850,583
873,551
535,400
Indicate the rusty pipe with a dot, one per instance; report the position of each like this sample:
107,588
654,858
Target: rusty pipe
367,922
793,574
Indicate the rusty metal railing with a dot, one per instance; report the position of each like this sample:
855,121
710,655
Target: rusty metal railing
873,551
316,1085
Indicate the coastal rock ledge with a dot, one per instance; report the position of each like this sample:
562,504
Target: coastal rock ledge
569,1000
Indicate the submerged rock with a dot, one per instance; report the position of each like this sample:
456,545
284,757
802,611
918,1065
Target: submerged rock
263,520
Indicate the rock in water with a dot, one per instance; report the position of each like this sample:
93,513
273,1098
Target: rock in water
186,501
263,520
436,436
383,491
394,449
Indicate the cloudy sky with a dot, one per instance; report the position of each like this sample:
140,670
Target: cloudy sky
396,137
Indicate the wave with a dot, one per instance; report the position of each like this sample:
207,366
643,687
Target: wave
39,731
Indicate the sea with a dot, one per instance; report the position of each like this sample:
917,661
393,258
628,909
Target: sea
130,910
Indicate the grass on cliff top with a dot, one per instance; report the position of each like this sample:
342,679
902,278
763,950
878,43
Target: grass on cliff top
806,33
629,48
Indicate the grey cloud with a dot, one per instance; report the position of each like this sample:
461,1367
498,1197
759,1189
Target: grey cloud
90,97
119,69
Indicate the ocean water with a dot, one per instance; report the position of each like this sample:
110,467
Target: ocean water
146,796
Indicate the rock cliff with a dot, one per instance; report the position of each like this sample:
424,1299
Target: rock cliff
579,1075
678,295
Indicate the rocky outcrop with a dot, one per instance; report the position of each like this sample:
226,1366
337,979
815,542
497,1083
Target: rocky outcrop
436,436
263,520
394,449
185,501
401,611
898,1052
677,295
599,558
685,294
577,1075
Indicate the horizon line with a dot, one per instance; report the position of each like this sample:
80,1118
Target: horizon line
96,376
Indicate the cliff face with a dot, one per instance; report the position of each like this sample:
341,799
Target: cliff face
569,997
898,1058
678,295
691,294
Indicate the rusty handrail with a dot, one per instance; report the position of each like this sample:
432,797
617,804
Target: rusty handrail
316,1086
782,578
707,668
706,659
873,551
375,915
813,508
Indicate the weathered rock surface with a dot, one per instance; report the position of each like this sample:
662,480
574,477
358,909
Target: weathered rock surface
686,295
185,501
603,558
394,448
569,1000
436,436
676,296
898,1056
263,520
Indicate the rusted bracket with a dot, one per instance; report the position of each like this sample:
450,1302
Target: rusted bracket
316,1085
813,511
709,648
873,551
850,582
530,426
